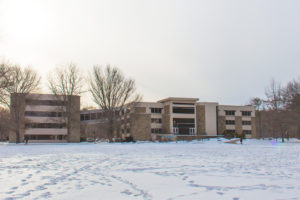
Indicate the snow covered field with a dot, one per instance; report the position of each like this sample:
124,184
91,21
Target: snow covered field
184,170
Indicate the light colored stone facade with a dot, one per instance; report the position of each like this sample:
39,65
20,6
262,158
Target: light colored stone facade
180,118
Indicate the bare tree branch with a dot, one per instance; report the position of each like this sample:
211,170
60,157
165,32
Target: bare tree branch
111,91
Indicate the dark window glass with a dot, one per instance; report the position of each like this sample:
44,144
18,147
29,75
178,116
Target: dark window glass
229,112
246,113
156,130
87,116
247,132
230,131
183,124
45,102
230,122
93,116
42,114
184,110
82,117
45,125
156,120
156,110
246,122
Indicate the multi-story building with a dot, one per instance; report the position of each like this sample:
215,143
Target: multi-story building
237,119
43,118
179,118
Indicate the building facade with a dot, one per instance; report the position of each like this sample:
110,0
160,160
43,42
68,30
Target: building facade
176,119
44,118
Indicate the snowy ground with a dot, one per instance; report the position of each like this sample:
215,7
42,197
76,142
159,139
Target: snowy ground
183,170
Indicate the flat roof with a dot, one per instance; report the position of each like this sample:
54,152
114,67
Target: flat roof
178,99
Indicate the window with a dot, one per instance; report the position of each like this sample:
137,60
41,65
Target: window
192,131
230,131
156,130
87,116
93,116
229,112
184,122
45,125
82,117
182,126
246,122
184,110
156,110
99,115
230,122
156,120
175,130
42,114
247,132
44,102
246,113
128,130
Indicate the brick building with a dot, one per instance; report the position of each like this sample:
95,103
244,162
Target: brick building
174,119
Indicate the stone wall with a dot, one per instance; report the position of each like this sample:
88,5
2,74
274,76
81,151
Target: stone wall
74,135
238,125
200,117
140,126
166,120
221,125
253,127
17,109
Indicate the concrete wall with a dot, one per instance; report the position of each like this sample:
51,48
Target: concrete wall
20,100
140,126
74,133
17,109
200,117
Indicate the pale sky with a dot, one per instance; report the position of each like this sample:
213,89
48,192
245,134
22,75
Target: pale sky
216,50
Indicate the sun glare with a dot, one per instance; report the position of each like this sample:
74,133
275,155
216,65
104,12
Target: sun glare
24,20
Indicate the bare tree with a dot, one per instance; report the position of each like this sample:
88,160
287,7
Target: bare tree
6,71
64,83
274,94
111,91
21,83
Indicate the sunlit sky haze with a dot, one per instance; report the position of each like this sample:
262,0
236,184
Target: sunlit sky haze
224,51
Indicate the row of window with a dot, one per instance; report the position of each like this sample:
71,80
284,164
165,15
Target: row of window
232,113
156,130
43,114
46,137
232,122
233,131
45,125
184,131
156,120
91,116
184,110
45,102
156,110
127,130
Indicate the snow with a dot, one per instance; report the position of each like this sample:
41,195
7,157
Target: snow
211,169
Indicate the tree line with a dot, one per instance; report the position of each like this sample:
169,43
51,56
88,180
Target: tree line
109,88
278,114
